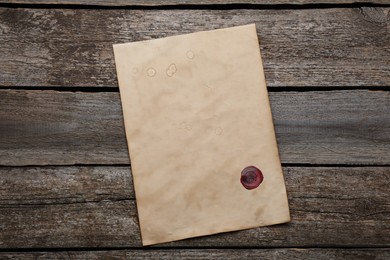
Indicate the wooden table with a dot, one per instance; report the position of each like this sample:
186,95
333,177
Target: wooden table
65,182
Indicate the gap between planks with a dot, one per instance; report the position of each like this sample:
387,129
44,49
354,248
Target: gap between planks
270,89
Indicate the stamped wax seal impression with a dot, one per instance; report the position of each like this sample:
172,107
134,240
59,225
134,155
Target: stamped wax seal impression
251,177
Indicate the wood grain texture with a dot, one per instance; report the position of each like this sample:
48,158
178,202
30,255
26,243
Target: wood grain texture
319,127
300,47
275,254
330,206
64,185
187,2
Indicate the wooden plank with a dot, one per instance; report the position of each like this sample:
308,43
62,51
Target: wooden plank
34,185
188,2
329,207
62,128
64,185
279,253
301,47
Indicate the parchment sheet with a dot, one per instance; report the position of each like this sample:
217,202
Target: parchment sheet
196,113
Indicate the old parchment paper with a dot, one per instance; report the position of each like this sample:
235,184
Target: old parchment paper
196,113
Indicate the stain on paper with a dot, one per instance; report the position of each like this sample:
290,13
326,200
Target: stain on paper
190,55
171,70
151,72
218,131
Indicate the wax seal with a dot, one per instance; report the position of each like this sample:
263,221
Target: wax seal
251,177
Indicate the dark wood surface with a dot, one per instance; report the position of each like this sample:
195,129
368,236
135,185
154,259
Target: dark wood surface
316,127
65,180
314,47
93,206
189,2
277,254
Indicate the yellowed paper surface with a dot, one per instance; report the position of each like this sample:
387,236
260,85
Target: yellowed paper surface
197,113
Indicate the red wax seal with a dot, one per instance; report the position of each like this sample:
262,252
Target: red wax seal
251,177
